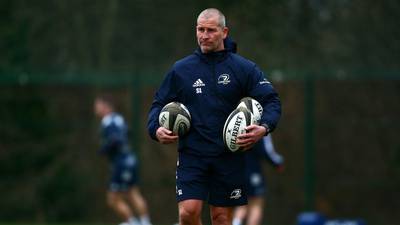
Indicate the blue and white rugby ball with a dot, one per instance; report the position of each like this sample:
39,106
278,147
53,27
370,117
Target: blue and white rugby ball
175,117
235,125
253,105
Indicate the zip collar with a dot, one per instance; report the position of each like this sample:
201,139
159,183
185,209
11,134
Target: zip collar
216,57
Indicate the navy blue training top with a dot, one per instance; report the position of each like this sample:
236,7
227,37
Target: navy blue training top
114,136
211,86
263,149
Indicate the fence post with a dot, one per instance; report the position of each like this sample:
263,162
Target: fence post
136,106
309,151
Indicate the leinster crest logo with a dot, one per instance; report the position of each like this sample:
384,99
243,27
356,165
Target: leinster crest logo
224,79
236,194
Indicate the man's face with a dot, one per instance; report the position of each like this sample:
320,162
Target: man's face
210,36
99,108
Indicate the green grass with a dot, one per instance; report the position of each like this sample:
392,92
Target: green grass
57,223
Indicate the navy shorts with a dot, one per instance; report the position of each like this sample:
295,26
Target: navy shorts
123,173
220,180
255,184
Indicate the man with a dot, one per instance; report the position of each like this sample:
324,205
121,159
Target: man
124,177
210,82
255,181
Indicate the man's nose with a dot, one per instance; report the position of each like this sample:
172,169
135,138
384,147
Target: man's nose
206,34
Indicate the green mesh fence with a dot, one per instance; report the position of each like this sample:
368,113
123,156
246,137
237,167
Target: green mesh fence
338,136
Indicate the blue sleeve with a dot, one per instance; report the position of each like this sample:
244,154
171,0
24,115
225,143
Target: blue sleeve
267,150
165,94
113,138
262,90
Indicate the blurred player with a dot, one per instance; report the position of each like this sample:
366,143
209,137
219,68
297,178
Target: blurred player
123,191
255,182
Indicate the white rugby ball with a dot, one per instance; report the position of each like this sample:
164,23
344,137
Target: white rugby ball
253,105
235,124
175,117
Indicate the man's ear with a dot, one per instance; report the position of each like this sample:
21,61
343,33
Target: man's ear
226,31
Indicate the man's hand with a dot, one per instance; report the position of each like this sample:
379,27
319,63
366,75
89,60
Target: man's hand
165,136
254,134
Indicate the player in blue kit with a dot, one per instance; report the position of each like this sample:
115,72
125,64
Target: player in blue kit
124,177
210,82
264,149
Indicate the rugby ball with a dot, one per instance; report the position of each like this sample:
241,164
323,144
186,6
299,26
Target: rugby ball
235,124
175,117
253,105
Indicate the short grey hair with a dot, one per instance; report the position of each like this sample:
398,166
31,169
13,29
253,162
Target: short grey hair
210,12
